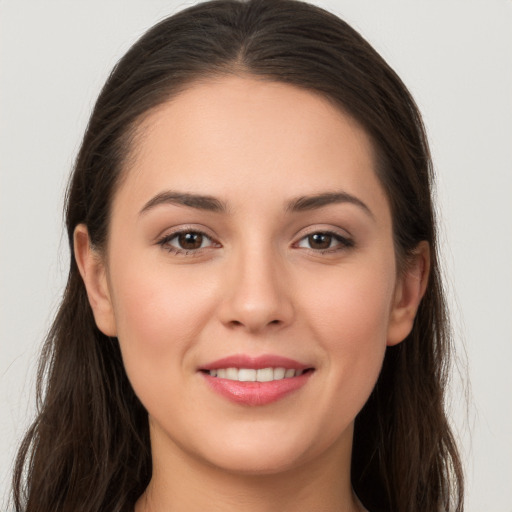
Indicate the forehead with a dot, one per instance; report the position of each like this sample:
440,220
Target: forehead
228,133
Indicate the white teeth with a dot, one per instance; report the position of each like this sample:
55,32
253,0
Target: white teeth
265,375
232,373
251,375
279,373
246,375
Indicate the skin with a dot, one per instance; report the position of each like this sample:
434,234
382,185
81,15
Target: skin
256,286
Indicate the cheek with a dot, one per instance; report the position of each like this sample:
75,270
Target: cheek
350,315
353,304
158,315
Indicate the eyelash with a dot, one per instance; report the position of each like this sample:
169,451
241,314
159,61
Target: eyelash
164,242
342,244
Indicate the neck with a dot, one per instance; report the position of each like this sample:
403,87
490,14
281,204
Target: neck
182,482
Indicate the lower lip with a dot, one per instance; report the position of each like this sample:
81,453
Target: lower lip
256,393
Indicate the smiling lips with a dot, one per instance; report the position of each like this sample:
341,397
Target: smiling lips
255,381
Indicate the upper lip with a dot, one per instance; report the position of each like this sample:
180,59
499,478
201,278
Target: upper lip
255,363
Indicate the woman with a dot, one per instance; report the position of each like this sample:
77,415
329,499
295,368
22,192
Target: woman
254,306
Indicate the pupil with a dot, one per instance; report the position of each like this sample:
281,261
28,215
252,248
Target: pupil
320,241
190,240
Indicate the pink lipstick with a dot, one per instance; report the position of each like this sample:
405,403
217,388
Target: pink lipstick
256,380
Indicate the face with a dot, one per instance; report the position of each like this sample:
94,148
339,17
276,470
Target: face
250,275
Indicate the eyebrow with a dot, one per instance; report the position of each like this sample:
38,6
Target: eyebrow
305,203
199,202
212,204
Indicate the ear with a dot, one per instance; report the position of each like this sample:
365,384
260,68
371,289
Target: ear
93,272
409,291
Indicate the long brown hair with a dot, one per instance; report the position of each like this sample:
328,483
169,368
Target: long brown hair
88,448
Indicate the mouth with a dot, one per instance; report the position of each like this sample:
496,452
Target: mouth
256,375
255,381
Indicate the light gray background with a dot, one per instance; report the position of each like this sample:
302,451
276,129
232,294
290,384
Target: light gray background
455,56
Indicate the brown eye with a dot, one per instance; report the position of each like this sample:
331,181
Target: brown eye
187,242
190,241
320,241
325,241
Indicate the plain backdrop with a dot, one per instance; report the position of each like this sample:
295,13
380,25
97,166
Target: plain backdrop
456,58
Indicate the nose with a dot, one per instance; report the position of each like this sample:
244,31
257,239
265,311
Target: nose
257,296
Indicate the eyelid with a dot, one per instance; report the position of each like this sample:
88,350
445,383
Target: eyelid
323,228
184,228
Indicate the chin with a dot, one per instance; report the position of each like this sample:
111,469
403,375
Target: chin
259,451
256,462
